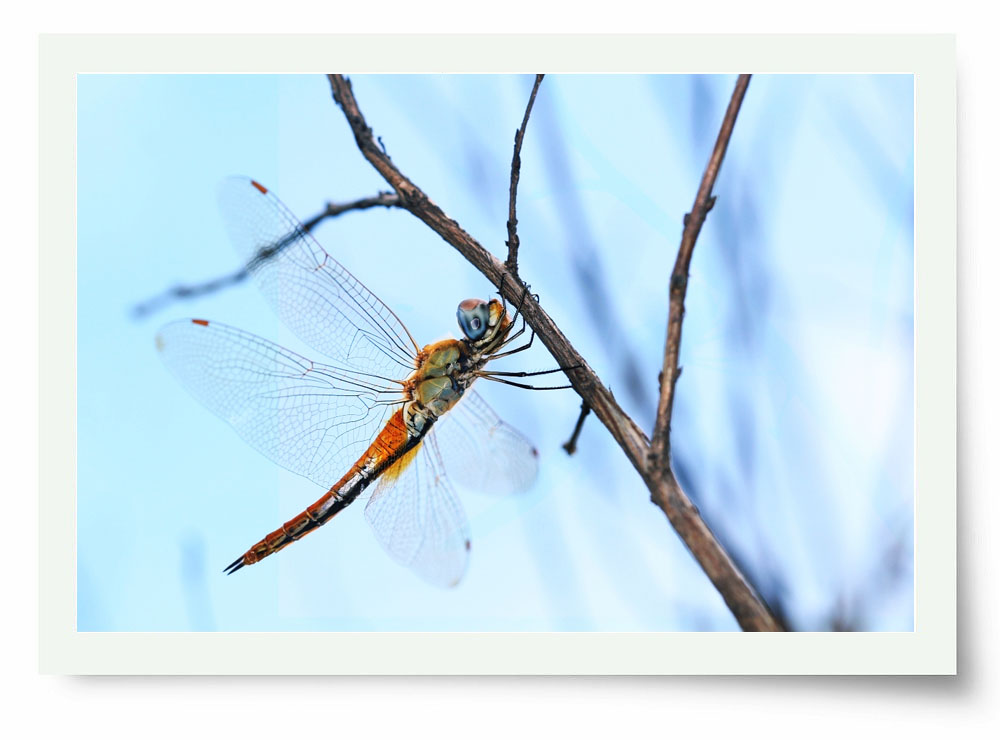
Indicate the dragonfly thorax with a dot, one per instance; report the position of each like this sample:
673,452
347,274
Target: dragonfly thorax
444,371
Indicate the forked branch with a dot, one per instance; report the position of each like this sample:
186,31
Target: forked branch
748,608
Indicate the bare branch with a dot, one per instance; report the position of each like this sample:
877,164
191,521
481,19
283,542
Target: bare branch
184,292
388,200
570,445
703,202
513,241
742,600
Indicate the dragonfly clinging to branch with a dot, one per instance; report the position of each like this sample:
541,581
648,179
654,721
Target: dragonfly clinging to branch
383,411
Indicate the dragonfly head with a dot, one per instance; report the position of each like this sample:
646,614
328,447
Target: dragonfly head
481,321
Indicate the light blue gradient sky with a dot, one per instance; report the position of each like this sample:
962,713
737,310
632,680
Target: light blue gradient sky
793,425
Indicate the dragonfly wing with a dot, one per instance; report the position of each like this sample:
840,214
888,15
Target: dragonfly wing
417,518
482,452
313,419
312,293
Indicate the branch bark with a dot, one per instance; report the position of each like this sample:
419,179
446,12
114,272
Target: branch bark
665,492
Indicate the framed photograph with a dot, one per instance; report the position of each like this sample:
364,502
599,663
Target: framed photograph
586,372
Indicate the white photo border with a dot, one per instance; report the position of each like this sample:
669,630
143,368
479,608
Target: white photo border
929,649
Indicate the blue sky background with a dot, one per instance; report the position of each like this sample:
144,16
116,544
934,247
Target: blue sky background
793,426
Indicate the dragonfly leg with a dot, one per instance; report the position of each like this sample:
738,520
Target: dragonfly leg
511,338
517,312
516,350
525,385
503,301
523,374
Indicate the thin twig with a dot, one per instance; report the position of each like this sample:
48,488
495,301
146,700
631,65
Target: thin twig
570,445
184,292
513,241
703,202
388,200
748,608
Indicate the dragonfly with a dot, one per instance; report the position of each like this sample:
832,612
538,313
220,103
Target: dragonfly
382,412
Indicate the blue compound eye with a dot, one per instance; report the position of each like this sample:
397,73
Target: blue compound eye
473,315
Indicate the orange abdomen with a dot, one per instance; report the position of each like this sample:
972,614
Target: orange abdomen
391,443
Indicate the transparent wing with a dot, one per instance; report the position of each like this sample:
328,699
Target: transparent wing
417,518
312,293
483,453
313,419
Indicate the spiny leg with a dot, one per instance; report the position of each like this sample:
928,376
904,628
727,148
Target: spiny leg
503,300
515,335
514,351
508,340
525,385
523,374
517,313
